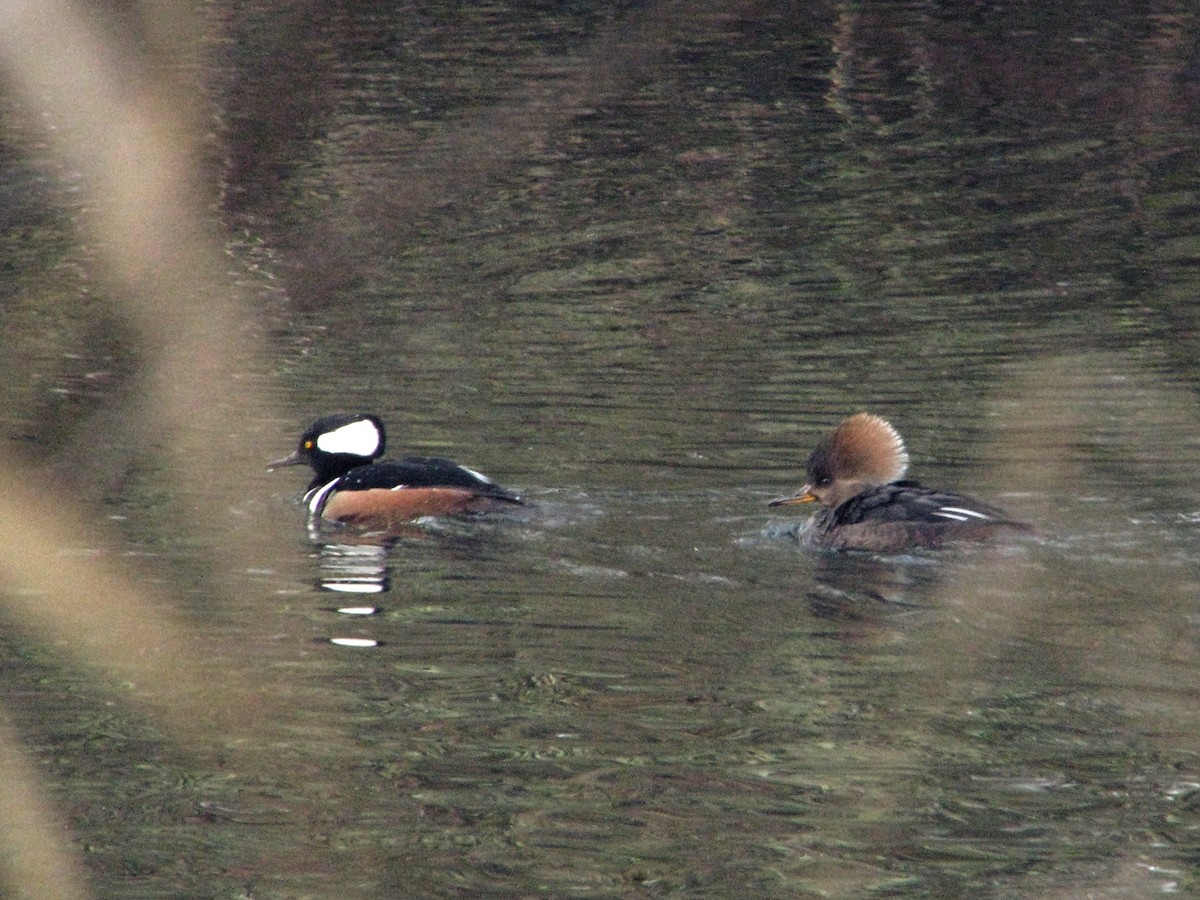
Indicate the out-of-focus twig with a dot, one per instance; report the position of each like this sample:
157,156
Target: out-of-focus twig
129,128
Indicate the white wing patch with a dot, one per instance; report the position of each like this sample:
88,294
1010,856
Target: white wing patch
359,438
958,514
478,475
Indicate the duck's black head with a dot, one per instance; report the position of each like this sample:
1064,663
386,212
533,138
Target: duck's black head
335,444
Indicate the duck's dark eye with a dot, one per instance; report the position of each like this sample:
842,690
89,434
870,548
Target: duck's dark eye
819,477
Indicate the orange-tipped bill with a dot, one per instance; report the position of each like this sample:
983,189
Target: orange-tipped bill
804,496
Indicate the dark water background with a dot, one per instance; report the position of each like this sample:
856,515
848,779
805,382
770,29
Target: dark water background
632,260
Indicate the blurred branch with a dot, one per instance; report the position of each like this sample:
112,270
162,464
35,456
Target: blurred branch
133,137
125,123
35,864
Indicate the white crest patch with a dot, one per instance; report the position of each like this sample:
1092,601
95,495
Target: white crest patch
359,438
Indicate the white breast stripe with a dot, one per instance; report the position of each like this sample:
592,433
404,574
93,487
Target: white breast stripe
317,497
971,513
399,487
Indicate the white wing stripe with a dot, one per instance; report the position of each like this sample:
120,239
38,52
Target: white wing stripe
973,513
949,515
478,475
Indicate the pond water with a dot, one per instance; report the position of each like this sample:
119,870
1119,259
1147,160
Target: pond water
632,260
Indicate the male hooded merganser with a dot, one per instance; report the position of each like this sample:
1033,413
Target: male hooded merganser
352,487
855,474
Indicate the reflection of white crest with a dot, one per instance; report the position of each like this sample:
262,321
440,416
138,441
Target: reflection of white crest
373,586
354,569
359,438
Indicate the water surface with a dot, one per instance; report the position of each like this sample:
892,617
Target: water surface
632,261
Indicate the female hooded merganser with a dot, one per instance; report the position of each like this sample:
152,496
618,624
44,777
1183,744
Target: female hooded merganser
352,488
855,474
